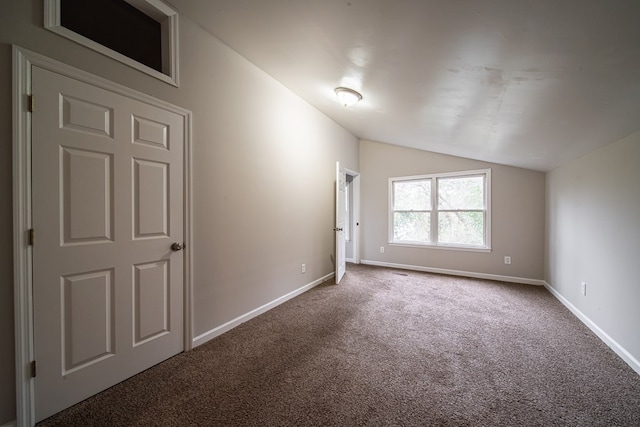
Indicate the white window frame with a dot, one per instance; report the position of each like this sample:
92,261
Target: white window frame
155,9
485,247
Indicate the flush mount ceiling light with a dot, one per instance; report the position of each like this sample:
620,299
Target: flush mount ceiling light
348,97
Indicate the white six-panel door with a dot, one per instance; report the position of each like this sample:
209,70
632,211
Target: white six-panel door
107,203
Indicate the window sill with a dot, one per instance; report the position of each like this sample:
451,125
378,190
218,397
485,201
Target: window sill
445,247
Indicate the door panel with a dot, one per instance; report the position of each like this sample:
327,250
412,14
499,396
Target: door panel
148,132
151,199
84,116
151,290
87,319
107,190
87,196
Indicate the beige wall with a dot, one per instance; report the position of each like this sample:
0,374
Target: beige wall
593,236
517,213
264,173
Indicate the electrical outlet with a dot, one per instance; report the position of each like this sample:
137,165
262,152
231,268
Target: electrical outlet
583,289
303,269
381,249
507,260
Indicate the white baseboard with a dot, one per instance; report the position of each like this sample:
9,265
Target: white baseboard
209,335
511,279
10,424
613,344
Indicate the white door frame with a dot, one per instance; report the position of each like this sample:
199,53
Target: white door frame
23,60
355,226
341,244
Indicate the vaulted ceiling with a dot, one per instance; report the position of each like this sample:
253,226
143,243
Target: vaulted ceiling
526,83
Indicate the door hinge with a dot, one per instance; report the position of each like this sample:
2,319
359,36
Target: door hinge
32,237
31,106
33,369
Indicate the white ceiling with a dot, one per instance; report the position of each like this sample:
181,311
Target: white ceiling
528,83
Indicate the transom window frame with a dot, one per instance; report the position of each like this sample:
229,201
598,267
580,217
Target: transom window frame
155,9
433,243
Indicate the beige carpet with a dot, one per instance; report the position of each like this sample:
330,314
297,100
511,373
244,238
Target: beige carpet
386,348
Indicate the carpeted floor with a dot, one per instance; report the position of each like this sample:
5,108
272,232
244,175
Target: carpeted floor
386,348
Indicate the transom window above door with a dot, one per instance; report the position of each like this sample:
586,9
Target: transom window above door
140,33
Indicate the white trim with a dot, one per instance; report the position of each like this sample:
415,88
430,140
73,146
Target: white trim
606,338
441,175
22,252
166,16
23,60
209,335
188,233
510,279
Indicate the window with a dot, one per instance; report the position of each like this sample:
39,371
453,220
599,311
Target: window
445,210
140,33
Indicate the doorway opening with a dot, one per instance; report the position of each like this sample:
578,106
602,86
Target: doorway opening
352,217
347,219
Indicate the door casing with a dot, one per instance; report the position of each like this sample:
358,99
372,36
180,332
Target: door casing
23,60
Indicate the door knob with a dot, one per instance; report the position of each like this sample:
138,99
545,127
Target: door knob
177,246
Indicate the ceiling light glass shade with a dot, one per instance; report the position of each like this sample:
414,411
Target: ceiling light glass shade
348,97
